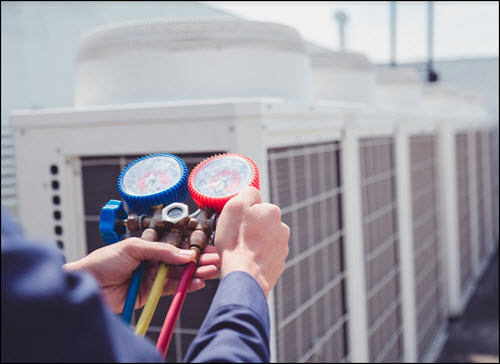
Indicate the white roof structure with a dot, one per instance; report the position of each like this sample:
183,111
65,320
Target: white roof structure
39,43
343,76
197,58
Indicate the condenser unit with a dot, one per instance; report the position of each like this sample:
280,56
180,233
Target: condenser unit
368,179
467,183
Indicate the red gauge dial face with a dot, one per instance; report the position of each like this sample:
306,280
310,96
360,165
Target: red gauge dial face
224,183
223,176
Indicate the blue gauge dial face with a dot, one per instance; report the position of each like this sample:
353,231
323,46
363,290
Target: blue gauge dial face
224,176
151,175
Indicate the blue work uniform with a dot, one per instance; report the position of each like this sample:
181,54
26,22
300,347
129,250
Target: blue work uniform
50,315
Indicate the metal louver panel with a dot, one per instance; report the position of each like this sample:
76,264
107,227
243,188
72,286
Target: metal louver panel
9,185
426,251
493,139
311,311
480,197
463,209
381,249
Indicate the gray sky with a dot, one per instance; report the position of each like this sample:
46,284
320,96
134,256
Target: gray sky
462,29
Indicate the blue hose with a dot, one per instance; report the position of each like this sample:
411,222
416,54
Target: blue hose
133,289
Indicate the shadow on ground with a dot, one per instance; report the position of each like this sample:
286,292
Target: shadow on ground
473,338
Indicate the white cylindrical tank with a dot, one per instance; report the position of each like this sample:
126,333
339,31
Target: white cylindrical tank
475,108
398,87
342,76
444,101
165,60
447,102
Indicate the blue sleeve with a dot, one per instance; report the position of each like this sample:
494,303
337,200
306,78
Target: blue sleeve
236,328
50,315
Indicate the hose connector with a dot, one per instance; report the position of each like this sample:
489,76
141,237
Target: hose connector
197,242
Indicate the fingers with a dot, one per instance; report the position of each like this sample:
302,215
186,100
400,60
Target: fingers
286,231
155,252
195,285
203,272
208,264
206,272
209,256
249,196
268,211
171,286
167,253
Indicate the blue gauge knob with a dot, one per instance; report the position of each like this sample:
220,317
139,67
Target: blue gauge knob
110,231
155,179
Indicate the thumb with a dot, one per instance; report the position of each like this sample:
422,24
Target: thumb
249,196
167,253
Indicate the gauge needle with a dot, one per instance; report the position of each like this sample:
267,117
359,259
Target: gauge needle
222,183
213,185
225,180
150,179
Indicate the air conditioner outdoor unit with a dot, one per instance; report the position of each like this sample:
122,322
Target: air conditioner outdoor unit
347,174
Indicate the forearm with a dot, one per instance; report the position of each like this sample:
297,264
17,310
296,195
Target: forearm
236,328
44,307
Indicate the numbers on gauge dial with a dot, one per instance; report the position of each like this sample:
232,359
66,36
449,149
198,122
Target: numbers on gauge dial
223,176
151,175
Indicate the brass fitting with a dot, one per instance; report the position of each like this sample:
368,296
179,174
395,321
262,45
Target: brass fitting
173,237
197,242
150,234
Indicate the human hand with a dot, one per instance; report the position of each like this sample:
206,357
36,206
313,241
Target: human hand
113,266
250,237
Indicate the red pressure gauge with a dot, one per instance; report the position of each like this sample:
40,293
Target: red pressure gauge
217,179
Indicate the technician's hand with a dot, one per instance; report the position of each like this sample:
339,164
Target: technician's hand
114,264
250,237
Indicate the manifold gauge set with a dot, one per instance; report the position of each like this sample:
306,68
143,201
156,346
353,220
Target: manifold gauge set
154,187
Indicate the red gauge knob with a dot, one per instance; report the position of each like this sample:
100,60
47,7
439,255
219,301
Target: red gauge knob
217,179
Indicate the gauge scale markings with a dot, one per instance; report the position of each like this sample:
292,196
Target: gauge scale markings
152,175
223,176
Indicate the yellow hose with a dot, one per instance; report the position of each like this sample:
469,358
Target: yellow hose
152,301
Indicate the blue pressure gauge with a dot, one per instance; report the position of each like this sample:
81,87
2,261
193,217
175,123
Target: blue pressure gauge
153,180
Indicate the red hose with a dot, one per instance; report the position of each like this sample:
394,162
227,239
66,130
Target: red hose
175,308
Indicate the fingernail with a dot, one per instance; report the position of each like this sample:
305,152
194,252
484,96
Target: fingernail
186,252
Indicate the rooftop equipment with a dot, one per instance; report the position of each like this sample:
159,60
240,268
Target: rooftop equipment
466,140
398,87
362,281
165,60
399,94
343,76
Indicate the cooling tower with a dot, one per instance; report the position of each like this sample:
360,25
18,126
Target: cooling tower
343,76
195,59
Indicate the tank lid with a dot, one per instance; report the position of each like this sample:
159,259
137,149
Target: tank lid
187,33
438,89
340,59
397,76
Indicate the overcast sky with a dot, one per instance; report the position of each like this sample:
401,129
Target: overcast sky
462,29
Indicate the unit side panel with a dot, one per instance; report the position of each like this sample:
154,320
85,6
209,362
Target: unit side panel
493,137
381,244
463,209
426,243
311,312
480,197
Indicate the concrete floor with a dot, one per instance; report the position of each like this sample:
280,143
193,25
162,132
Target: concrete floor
474,336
